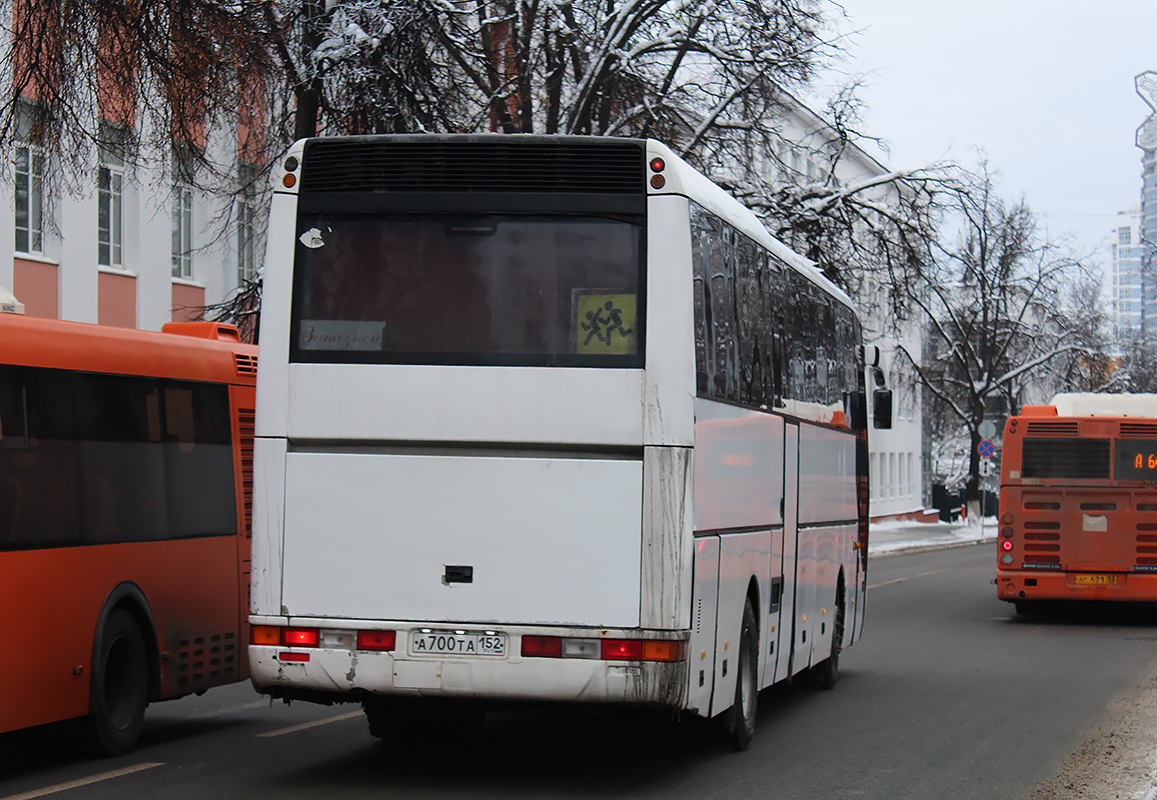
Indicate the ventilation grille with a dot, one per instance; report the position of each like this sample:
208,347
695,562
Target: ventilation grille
245,363
1144,430
1065,458
207,661
246,421
1053,429
501,164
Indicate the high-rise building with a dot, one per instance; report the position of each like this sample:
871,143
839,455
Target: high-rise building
1146,84
1126,298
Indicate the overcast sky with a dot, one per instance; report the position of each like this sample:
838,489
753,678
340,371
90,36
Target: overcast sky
1045,88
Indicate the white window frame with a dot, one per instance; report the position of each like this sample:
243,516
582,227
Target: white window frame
28,176
110,216
182,228
246,225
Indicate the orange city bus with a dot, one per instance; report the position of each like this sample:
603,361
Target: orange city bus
1078,501
125,495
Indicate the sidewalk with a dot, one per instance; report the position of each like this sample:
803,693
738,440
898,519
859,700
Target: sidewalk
888,538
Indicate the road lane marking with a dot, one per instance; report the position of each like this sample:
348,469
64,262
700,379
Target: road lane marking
63,787
305,725
909,577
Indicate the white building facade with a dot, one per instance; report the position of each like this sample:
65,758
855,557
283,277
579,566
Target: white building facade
128,239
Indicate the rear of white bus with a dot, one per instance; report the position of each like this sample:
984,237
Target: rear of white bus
475,415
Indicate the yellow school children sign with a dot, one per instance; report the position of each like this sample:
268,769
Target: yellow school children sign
606,323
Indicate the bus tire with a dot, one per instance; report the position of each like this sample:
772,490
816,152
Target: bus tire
120,686
378,718
739,720
827,672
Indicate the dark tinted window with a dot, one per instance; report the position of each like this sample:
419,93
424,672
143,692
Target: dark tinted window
92,459
1065,458
766,335
504,289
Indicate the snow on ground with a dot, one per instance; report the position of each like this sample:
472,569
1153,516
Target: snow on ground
902,535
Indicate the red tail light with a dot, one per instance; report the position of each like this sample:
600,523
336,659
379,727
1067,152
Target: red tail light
300,637
542,646
376,640
1006,544
622,649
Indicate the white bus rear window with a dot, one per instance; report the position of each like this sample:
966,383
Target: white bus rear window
501,289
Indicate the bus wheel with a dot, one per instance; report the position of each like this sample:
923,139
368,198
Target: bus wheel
827,672
379,718
739,720
119,688
413,722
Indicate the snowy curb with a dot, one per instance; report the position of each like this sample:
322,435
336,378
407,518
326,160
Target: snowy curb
899,548
907,537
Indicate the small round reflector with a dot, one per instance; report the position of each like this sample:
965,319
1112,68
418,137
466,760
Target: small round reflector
1006,559
1006,544
1006,533
291,164
1006,518
658,181
289,181
657,164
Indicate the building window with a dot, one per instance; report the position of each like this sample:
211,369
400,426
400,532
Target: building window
247,225
29,177
182,232
1125,236
110,216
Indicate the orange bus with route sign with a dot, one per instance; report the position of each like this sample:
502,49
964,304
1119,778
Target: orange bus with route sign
1078,501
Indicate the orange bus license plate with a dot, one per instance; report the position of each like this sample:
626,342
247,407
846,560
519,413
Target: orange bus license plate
1096,580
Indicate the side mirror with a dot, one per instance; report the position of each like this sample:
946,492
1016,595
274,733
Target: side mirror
882,409
856,410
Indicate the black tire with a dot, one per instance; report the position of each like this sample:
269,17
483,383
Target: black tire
739,720
407,721
1026,607
120,686
827,673
378,717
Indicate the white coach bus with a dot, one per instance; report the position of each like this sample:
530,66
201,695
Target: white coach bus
548,419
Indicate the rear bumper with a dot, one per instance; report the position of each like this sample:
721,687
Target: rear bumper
336,675
1013,585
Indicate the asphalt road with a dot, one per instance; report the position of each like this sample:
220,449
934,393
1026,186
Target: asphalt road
948,695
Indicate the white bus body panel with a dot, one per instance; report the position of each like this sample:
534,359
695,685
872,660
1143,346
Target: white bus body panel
827,518
550,540
268,523
417,403
785,665
704,612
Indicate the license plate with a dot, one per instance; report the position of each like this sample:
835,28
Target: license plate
457,643
1095,580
